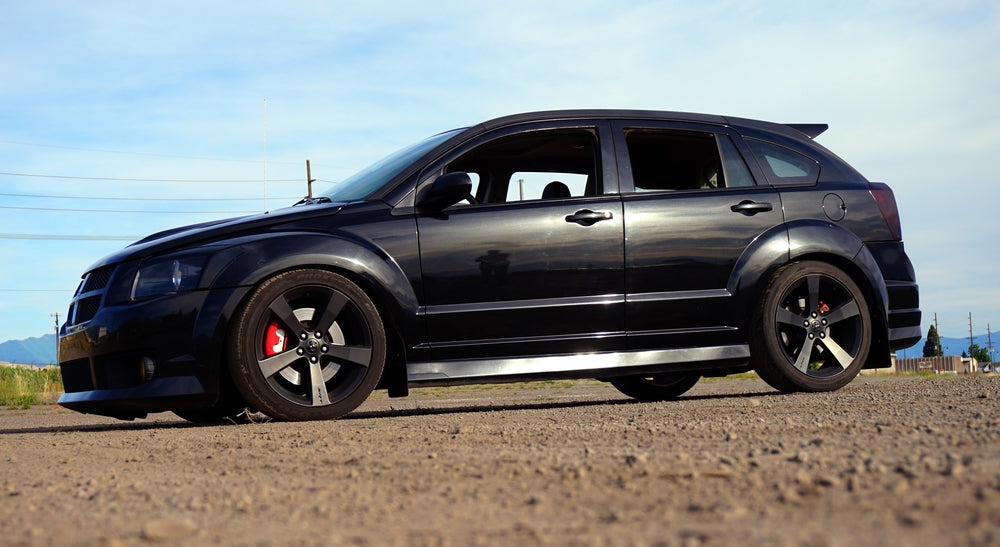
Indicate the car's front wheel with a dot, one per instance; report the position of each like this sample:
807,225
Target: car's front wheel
813,329
655,387
307,345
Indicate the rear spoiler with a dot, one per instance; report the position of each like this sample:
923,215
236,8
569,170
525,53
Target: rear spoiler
812,130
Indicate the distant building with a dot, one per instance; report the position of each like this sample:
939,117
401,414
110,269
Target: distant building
951,364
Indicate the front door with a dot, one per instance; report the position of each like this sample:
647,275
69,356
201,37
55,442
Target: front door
534,264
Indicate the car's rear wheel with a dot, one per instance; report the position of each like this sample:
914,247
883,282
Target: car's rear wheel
655,387
307,345
813,329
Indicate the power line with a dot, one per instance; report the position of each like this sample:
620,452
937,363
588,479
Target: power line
150,154
60,237
99,198
37,290
113,179
70,210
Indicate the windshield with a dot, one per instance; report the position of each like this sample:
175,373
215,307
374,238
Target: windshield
367,181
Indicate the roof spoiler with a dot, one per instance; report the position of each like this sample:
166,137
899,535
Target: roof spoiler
812,130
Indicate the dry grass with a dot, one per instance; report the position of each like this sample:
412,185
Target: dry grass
23,386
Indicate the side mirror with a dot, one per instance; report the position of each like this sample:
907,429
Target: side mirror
445,191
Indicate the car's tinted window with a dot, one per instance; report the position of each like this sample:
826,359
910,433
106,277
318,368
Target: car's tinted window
545,185
737,174
533,165
674,160
371,179
783,166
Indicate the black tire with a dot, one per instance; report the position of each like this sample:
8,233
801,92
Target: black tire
813,329
655,387
332,346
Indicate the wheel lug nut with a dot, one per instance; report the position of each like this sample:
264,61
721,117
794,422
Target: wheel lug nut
805,323
824,321
822,335
815,315
325,349
299,351
811,336
313,359
318,335
302,336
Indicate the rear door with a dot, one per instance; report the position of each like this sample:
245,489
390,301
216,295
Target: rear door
691,208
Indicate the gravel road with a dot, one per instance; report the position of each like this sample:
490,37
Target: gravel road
883,461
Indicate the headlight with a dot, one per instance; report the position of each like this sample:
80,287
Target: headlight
167,276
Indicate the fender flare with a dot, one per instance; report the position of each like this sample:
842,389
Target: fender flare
812,239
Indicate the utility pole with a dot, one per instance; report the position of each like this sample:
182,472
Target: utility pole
970,335
309,180
937,329
56,316
265,155
989,341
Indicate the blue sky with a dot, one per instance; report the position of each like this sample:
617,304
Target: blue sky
201,91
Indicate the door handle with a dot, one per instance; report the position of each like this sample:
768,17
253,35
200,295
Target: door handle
586,217
749,207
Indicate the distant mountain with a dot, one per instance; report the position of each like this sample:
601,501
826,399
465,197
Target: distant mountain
31,351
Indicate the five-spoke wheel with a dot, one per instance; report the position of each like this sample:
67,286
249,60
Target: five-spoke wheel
307,345
813,329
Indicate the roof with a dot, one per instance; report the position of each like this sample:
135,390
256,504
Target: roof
809,130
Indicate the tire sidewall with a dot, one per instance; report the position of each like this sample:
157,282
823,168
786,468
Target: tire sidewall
767,353
242,347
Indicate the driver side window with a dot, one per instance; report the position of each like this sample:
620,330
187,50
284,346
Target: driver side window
533,165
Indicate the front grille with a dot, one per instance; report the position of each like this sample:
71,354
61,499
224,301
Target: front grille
86,309
87,300
97,279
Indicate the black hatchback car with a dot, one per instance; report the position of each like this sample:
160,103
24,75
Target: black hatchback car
647,249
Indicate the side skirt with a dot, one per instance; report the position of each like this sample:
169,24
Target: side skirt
587,365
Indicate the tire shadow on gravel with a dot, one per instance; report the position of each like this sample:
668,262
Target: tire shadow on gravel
97,428
544,405
429,410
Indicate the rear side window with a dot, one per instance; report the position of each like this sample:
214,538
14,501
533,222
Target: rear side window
782,166
673,160
665,160
737,174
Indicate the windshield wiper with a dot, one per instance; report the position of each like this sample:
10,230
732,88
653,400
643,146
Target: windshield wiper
313,201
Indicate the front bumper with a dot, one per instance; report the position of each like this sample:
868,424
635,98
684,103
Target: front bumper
128,403
152,356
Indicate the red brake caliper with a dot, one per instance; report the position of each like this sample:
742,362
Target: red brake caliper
274,340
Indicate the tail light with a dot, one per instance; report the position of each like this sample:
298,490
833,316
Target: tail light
887,206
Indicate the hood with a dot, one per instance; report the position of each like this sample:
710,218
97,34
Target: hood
206,232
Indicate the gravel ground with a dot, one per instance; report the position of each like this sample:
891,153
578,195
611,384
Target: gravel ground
883,461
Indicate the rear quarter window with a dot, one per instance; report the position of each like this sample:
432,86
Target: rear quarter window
783,166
